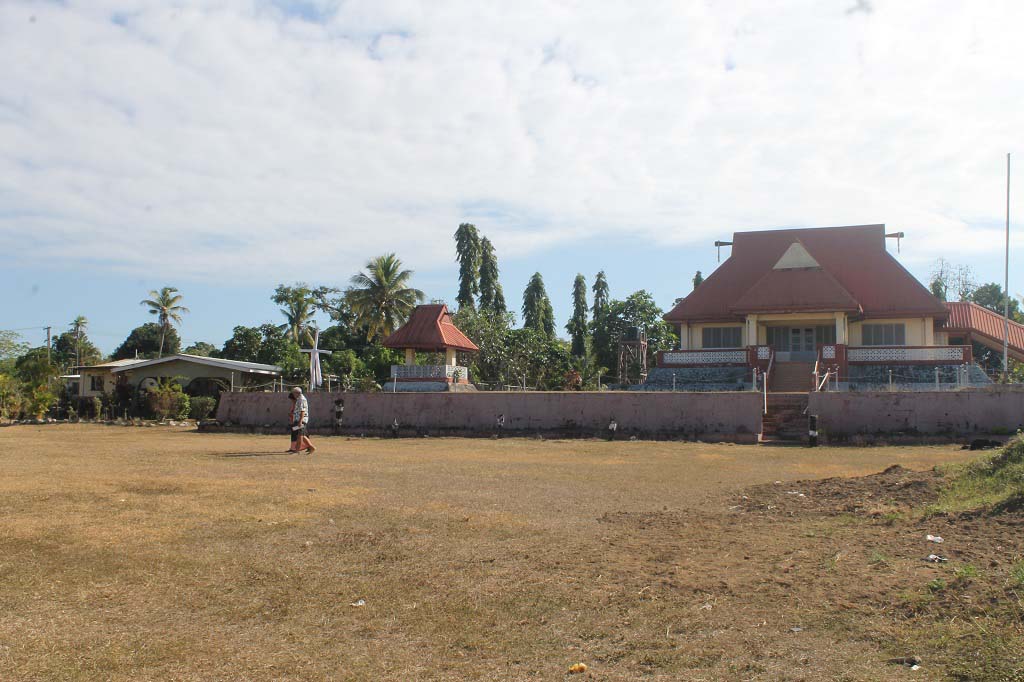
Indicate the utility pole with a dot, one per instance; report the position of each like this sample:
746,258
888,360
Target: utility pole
48,345
1006,280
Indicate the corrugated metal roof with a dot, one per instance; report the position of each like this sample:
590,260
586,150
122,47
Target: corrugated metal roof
430,328
235,365
115,363
854,256
978,320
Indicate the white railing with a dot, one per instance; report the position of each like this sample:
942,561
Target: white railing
437,372
705,357
882,354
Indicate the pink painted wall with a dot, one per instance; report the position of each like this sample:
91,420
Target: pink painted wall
946,412
705,416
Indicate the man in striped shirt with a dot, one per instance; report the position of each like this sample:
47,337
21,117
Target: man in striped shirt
298,418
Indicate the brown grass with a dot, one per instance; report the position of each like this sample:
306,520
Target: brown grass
129,553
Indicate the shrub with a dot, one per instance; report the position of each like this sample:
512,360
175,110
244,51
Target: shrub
97,407
167,400
202,407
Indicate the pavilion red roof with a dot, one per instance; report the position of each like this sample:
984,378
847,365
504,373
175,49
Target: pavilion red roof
855,273
980,321
430,328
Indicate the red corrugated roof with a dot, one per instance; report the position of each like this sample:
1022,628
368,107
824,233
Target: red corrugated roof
430,328
979,321
855,257
803,289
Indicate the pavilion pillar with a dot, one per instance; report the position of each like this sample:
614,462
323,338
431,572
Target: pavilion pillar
410,356
751,330
684,336
841,329
449,356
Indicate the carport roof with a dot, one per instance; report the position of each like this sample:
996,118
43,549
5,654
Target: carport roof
234,365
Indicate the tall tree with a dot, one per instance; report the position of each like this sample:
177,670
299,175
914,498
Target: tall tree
697,279
73,347
146,341
492,297
601,297
203,349
468,254
298,304
381,298
577,325
991,296
166,305
537,311
638,310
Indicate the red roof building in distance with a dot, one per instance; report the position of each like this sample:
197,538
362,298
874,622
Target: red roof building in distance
972,323
430,329
797,290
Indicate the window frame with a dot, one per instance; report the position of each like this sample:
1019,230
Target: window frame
719,334
883,334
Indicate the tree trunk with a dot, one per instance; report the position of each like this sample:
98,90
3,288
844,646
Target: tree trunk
160,353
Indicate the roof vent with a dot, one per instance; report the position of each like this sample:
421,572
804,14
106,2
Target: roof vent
796,256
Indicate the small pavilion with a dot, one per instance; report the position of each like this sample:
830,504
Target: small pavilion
430,329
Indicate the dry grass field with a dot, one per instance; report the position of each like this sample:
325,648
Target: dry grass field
164,554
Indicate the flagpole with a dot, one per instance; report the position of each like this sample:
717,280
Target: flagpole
1006,278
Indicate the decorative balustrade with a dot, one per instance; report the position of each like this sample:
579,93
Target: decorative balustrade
453,373
932,355
694,358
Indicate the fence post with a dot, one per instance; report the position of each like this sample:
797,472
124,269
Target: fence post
936,378
890,381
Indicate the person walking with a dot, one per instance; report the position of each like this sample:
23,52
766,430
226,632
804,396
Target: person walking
298,418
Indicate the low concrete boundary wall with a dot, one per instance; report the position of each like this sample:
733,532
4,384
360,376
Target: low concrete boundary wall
940,413
734,417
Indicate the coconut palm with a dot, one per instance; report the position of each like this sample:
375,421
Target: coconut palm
78,326
298,311
165,305
380,297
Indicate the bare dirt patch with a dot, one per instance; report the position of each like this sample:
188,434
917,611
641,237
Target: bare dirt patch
156,554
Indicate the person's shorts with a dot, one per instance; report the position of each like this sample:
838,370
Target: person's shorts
298,433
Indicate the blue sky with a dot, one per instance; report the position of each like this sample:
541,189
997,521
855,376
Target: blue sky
225,147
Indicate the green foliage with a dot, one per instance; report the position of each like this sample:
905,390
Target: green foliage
34,369
146,340
991,296
377,361
69,350
577,325
298,305
468,252
601,296
1017,574
202,406
638,310
937,585
167,401
938,289
11,348
537,311
697,279
380,298
40,400
97,407
492,297
542,359
489,330
244,344
965,572
166,305
995,482
203,349
268,344
11,397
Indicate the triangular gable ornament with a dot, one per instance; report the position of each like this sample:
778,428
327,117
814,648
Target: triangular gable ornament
796,256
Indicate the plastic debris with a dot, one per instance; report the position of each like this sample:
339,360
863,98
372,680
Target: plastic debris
915,667
706,606
933,538
795,492
357,604
796,629
577,668
936,559
912,662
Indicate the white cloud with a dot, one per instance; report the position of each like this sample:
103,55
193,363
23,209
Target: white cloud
199,137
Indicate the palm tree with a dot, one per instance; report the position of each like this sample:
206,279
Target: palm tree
164,304
298,310
380,297
78,326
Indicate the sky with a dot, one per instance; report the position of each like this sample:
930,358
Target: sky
227,146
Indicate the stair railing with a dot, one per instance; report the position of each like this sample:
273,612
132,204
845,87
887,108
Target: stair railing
767,375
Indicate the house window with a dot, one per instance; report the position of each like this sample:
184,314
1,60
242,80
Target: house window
95,383
721,337
884,334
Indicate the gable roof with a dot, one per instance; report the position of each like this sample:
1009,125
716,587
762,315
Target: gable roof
113,363
430,328
234,365
859,271
979,321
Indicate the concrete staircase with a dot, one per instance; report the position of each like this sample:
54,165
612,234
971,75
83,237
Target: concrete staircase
791,377
785,422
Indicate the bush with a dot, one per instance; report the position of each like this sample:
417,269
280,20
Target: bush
202,407
97,407
167,401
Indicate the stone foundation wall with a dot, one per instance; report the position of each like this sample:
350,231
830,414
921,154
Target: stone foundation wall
947,413
733,417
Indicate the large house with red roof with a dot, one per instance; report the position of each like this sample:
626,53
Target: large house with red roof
815,304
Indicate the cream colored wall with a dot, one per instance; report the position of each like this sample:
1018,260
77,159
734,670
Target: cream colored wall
697,334
85,382
919,330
